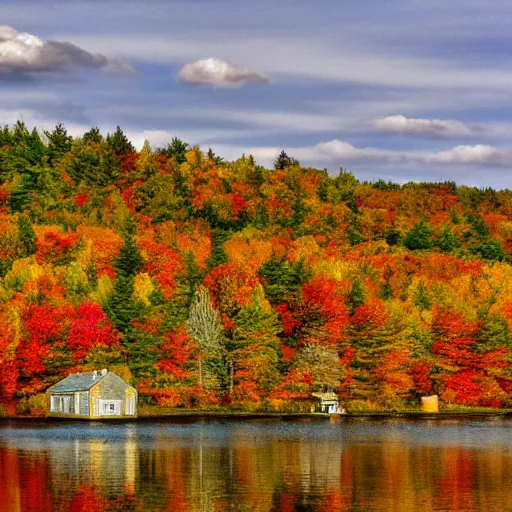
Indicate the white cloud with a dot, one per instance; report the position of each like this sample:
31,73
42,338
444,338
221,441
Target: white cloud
443,128
337,152
218,73
22,53
343,150
473,155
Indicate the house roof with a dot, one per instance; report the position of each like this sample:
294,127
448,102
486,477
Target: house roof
77,382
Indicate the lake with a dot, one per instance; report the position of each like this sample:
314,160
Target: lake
257,465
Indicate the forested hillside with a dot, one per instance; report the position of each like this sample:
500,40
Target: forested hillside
207,282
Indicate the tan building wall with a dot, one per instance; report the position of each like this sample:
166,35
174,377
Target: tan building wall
113,388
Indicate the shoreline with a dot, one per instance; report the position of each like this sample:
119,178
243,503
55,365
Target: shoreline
226,415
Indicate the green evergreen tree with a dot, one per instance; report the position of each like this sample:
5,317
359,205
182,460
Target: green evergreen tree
93,163
356,296
192,277
218,255
260,219
26,237
422,300
283,161
37,149
59,143
119,142
92,274
495,332
447,240
5,136
25,185
478,227
255,344
176,149
281,279
93,135
20,134
490,249
129,260
120,306
212,157
371,344
419,236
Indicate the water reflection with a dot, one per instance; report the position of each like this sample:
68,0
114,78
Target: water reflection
256,466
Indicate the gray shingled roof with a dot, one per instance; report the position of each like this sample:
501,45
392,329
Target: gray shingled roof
77,382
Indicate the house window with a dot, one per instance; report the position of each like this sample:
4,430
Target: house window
67,404
109,407
61,403
54,404
130,406
84,404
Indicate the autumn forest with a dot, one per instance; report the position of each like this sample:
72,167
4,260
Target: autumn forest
208,283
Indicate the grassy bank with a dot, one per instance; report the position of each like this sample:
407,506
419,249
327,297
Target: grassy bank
355,408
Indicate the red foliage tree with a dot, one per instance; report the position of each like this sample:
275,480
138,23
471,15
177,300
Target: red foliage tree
90,328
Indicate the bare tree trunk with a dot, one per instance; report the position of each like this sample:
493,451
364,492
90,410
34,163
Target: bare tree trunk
200,376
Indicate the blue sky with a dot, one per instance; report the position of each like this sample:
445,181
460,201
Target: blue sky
394,89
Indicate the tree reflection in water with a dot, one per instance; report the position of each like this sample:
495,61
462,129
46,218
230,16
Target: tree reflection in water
256,466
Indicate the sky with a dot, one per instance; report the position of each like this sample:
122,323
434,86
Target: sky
400,90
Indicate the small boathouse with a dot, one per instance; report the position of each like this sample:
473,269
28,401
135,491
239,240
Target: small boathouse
93,395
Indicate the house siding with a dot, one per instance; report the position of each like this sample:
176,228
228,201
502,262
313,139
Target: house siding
111,387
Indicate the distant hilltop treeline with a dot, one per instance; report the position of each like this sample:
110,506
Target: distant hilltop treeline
212,283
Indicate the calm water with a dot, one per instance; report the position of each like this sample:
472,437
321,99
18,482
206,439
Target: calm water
263,465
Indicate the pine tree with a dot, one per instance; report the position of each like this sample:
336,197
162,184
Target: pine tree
446,240
218,255
129,260
191,279
120,306
176,149
283,161
495,332
356,296
255,345
36,147
119,142
26,237
59,143
282,278
372,335
419,236
93,135
93,163
423,300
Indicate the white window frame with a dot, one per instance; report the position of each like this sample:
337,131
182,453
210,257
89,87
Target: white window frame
54,403
130,406
109,407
